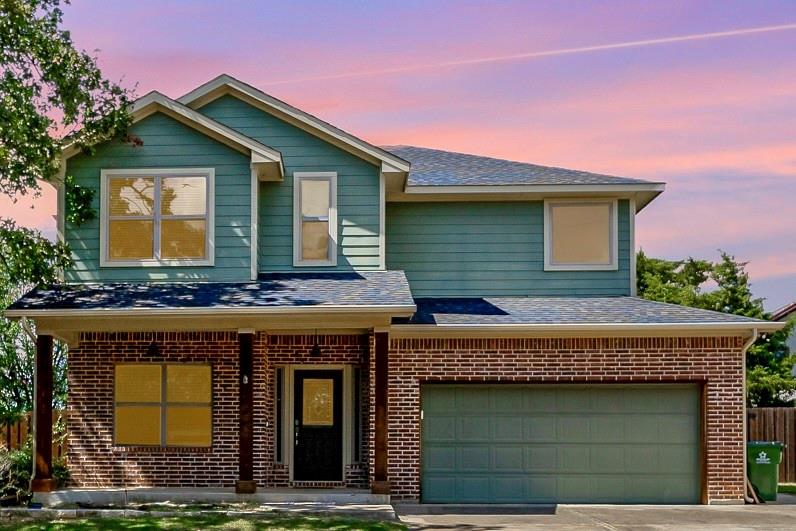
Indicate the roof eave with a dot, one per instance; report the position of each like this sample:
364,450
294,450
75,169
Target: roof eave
587,329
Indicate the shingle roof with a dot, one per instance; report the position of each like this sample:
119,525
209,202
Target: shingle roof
434,167
372,288
562,310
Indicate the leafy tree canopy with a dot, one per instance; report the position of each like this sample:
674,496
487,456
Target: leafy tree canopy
50,93
724,286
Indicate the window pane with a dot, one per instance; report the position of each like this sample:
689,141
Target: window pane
132,196
188,383
137,425
314,240
183,196
317,402
188,426
182,238
130,239
314,198
138,383
581,234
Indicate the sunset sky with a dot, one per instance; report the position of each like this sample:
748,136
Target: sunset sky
599,86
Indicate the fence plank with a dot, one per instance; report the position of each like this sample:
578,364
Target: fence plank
776,424
14,435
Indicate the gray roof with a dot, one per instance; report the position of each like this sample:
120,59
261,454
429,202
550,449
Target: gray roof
372,288
562,310
434,167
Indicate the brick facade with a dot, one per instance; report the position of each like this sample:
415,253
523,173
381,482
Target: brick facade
94,461
715,362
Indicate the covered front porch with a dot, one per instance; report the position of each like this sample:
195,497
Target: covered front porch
269,385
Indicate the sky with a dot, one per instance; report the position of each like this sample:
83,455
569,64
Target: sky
699,94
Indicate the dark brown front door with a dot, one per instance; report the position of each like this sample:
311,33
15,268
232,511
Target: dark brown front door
318,429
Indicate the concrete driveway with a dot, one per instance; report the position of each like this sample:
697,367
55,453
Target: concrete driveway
602,517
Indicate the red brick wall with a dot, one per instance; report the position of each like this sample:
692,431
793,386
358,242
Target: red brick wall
95,462
715,361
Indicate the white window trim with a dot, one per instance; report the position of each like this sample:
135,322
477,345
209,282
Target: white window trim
330,176
548,236
107,174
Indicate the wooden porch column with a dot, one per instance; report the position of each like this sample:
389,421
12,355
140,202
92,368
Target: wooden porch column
43,417
381,483
246,483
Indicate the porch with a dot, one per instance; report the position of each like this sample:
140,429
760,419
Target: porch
125,497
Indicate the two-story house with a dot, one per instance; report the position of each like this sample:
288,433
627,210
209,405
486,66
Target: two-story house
266,300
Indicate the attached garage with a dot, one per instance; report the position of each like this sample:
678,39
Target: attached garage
561,443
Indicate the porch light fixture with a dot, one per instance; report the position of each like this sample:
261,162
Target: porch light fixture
153,349
316,350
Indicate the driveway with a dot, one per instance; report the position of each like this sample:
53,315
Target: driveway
601,517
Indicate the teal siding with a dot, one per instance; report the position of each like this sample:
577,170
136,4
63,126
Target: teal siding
486,248
357,189
169,144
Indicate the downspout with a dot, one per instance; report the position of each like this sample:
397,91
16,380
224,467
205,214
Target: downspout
746,346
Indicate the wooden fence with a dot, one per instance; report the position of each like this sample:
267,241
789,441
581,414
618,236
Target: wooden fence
14,435
776,424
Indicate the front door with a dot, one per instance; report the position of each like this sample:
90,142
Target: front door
318,427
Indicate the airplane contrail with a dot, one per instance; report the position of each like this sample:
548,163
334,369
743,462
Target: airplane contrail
545,53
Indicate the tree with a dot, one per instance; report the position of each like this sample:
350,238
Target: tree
50,93
724,286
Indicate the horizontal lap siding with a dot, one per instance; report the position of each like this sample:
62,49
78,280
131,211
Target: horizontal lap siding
168,144
489,249
357,189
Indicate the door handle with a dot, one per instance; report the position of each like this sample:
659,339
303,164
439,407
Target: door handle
296,435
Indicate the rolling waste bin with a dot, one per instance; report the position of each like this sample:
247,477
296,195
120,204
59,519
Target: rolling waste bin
762,461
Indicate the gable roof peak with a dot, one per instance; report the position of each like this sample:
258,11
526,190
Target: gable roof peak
225,84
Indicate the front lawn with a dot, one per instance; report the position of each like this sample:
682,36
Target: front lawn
202,522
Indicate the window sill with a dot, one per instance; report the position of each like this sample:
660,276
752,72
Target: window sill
161,449
581,267
157,263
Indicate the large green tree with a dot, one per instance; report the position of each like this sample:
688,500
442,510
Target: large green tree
724,286
50,93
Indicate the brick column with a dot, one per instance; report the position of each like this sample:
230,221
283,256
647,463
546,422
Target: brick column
381,484
43,413
246,483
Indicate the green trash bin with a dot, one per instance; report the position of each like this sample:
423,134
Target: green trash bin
762,461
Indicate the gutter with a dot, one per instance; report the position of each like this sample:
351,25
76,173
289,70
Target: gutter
746,346
739,327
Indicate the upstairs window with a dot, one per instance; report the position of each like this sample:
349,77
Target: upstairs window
580,235
314,218
157,217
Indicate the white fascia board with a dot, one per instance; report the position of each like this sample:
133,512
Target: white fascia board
401,310
224,84
538,189
154,101
450,330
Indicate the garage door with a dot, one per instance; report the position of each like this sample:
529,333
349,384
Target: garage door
560,444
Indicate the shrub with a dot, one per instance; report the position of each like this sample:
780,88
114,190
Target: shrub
16,469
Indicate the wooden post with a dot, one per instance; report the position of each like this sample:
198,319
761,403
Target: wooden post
246,483
43,422
381,483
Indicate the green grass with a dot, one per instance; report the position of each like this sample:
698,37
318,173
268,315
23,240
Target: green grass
202,522
787,488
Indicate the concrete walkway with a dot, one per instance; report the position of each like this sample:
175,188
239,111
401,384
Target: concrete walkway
600,517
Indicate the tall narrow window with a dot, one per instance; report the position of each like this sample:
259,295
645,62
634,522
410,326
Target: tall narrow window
315,219
157,217
162,405
280,383
580,235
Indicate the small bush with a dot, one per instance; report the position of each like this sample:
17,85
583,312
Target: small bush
16,470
